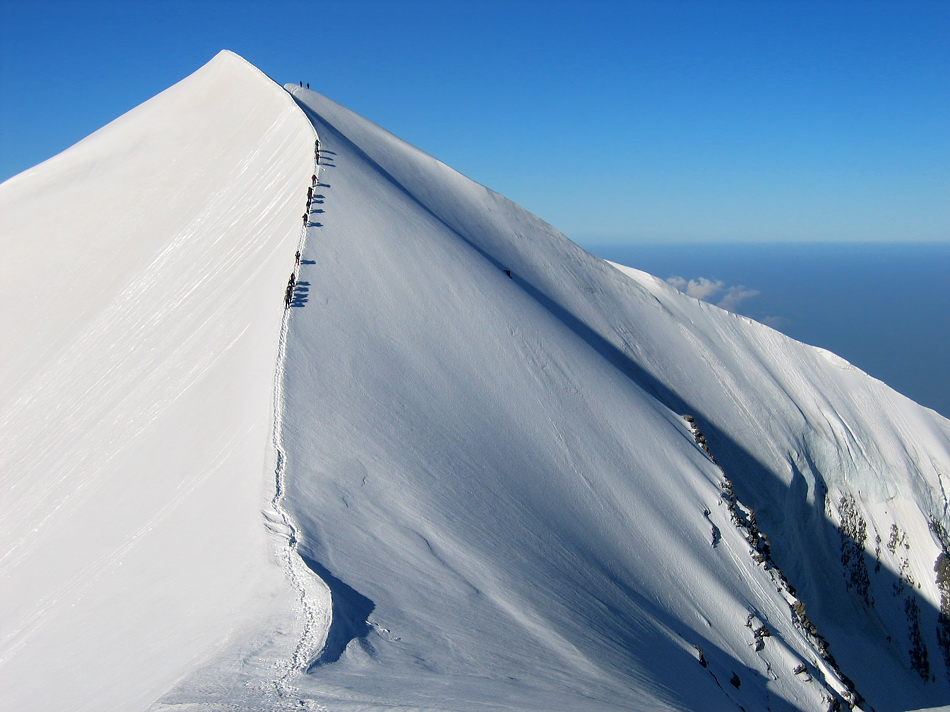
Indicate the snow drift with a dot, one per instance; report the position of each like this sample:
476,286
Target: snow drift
504,474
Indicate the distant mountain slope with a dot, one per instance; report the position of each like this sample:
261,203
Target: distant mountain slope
140,285
493,475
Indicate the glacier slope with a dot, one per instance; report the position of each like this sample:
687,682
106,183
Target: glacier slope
492,474
140,285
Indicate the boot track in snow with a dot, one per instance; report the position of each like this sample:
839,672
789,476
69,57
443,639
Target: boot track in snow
311,590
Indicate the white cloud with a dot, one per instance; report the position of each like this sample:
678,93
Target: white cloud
705,289
701,288
734,295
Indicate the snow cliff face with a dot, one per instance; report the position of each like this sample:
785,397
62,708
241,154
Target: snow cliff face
509,475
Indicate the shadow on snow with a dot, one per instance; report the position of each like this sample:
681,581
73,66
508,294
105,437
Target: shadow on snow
351,611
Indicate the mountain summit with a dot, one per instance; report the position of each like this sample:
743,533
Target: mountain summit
468,466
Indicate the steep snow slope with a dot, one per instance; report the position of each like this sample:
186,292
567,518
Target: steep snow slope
493,476
140,285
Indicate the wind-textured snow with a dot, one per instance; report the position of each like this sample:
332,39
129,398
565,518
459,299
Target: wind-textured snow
139,339
480,491
492,472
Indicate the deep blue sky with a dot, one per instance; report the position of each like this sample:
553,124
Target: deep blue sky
615,121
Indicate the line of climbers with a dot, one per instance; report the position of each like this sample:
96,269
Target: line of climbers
313,182
292,282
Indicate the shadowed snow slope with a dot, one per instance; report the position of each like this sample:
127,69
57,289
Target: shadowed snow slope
493,475
479,438
140,284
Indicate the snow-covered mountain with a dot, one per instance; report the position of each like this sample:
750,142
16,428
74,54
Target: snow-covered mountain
471,466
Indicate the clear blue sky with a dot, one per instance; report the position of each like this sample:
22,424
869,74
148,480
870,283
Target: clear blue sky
615,121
